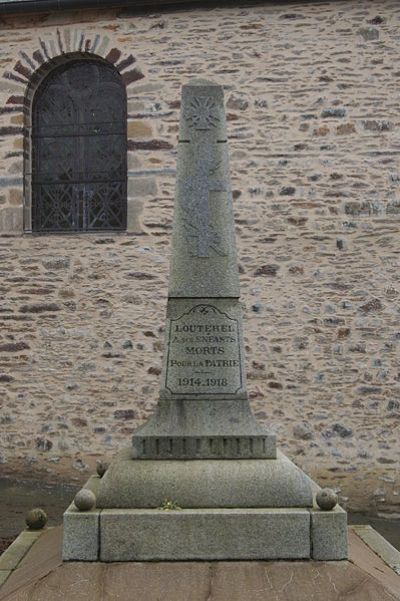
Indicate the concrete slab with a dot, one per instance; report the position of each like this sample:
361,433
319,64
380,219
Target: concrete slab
329,534
203,534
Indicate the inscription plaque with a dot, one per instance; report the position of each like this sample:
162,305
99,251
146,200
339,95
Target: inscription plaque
203,355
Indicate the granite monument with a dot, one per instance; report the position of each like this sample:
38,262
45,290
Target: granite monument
227,493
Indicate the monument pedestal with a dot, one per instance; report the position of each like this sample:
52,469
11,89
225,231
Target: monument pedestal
216,519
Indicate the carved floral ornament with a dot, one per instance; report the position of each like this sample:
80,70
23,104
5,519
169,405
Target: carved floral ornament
202,113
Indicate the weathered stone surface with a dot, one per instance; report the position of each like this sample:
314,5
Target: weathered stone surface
326,499
14,347
203,410
142,186
196,429
56,262
203,483
4,574
84,500
204,534
204,262
329,534
389,554
205,350
12,556
39,307
139,129
36,519
369,33
81,529
11,220
81,534
134,211
303,431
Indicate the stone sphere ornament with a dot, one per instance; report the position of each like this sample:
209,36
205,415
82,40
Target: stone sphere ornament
36,519
101,467
85,499
326,499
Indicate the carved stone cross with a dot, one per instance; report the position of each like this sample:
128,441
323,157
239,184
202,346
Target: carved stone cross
196,204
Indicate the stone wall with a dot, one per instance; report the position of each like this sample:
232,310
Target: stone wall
312,102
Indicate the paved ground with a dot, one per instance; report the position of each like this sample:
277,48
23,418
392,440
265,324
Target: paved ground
42,576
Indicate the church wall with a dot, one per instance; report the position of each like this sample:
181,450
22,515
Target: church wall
312,98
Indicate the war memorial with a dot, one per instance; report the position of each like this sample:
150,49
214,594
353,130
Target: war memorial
202,502
239,498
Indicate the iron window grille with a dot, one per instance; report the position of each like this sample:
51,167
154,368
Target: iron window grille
79,150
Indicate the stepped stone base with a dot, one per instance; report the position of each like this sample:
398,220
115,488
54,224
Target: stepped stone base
200,483
204,534
137,529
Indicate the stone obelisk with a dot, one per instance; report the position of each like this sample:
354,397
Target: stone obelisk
202,450
203,410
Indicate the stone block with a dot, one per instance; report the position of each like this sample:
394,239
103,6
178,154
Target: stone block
81,535
204,483
12,556
203,259
142,186
329,534
4,574
134,210
11,220
81,530
139,129
15,197
204,534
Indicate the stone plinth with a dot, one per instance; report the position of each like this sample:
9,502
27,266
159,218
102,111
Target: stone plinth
201,534
244,509
204,483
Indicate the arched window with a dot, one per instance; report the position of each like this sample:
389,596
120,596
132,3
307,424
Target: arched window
79,146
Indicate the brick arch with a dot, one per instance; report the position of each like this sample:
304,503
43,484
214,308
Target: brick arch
31,69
